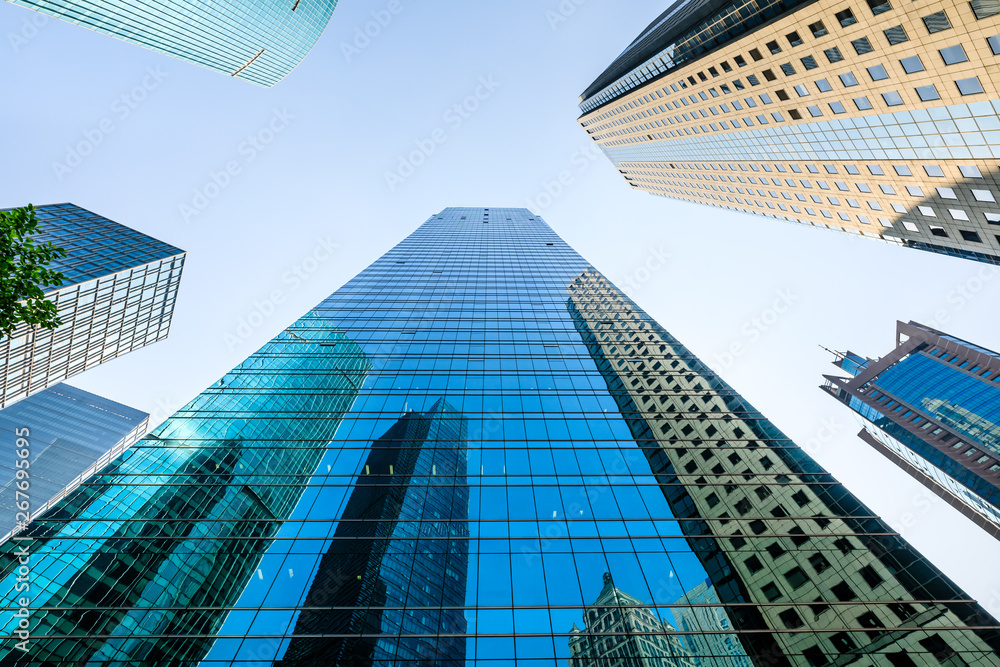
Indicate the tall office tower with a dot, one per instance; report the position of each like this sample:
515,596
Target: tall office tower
73,433
413,489
593,443
118,296
876,118
627,632
932,407
252,40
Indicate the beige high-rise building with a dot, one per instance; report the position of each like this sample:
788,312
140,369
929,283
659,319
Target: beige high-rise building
879,117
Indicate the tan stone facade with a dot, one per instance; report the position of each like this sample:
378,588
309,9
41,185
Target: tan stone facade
818,117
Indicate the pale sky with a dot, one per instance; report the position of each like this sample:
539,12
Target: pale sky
281,195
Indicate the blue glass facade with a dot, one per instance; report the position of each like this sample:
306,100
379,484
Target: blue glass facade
933,407
253,40
119,293
70,430
532,471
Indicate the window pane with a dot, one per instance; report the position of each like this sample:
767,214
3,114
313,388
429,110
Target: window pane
913,63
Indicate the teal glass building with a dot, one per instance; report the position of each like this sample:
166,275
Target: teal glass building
495,458
254,40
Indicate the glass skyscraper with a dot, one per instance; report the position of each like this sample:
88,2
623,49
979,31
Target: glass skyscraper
253,40
118,296
877,118
932,407
496,456
70,431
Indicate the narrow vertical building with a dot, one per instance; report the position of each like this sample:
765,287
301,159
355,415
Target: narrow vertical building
256,41
494,457
875,118
932,407
118,296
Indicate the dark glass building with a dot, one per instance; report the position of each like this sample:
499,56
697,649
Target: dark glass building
118,295
71,431
527,455
932,407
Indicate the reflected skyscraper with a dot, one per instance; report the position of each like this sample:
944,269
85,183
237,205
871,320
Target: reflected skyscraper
402,541
932,407
620,630
708,626
592,441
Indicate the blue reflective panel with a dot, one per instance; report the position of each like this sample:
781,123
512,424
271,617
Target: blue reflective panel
477,452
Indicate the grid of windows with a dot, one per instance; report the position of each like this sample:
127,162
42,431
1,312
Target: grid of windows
514,463
256,41
119,296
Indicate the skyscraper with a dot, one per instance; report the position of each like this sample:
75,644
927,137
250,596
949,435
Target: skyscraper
118,296
932,407
592,441
700,613
874,118
71,430
252,40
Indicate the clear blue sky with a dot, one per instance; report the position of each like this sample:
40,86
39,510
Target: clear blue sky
307,204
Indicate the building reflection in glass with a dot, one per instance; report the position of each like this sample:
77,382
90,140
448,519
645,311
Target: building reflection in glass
390,588
621,631
710,641
142,562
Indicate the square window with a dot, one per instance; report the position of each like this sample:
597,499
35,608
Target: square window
848,79
823,86
898,208
877,73
787,69
936,22
782,95
862,46
793,38
912,64
926,211
993,219
777,117
837,107
934,171
902,170
970,171
896,35
875,170
983,195
818,29
914,191
809,62
801,90
958,214
970,236
753,564
773,47
726,67
952,55
879,6
985,8
892,98
833,54
927,93
845,18
770,591
794,113
862,103
909,226
887,189
994,43
947,193
970,86
740,61
755,54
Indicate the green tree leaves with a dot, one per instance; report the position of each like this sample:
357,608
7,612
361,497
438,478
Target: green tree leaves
24,273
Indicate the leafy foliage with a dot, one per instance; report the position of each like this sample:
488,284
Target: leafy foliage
24,273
